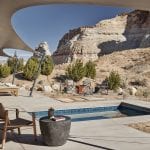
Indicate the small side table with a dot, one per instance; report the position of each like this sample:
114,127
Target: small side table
55,133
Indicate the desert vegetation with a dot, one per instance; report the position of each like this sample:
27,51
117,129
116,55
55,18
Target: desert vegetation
15,63
114,80
5,71
31,67
47,66
78,70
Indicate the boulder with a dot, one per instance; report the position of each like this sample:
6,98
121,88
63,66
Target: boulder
39,88
10,85
120,91
47,89
56,86
133,91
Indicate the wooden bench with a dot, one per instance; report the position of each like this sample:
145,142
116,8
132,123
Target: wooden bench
11,90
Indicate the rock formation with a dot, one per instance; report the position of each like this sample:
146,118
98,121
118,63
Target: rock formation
124,32
42,47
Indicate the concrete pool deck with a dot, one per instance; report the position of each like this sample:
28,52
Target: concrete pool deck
97,134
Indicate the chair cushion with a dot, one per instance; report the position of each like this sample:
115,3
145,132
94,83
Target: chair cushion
20,122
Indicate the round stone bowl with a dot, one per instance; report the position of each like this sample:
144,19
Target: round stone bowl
55,133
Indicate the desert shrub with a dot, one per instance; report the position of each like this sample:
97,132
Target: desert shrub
4,71
30,68
20,65
90,70
76,71
47,66
114,80
12,64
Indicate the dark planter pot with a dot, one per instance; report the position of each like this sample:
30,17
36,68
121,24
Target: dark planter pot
55,133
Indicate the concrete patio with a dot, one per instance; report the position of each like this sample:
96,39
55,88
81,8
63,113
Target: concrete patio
104,134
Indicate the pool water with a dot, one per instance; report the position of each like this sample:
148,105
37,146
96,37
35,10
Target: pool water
96,113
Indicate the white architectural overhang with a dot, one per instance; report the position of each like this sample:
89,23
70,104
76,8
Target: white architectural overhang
8,36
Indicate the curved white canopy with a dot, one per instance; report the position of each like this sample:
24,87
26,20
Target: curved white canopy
9,38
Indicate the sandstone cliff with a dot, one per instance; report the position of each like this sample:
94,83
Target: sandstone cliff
124,32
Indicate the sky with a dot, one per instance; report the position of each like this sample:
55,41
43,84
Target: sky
50,22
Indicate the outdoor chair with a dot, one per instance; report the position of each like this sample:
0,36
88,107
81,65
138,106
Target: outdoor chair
7,124
11,90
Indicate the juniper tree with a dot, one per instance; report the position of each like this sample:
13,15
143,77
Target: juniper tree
47,66
90,70
76,71
30,68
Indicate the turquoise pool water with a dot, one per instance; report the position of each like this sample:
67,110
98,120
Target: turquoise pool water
96,113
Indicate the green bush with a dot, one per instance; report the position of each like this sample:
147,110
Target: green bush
76,71
4,71
12,64
114,80
90,70
30,68
47,66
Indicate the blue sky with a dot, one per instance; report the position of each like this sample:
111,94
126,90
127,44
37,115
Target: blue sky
50,22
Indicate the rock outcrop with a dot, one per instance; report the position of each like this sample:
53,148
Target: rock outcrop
124,32
42,48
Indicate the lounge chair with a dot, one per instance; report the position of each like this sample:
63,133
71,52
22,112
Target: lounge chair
11,90
7,124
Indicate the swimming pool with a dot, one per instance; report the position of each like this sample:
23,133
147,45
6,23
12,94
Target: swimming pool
96,113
